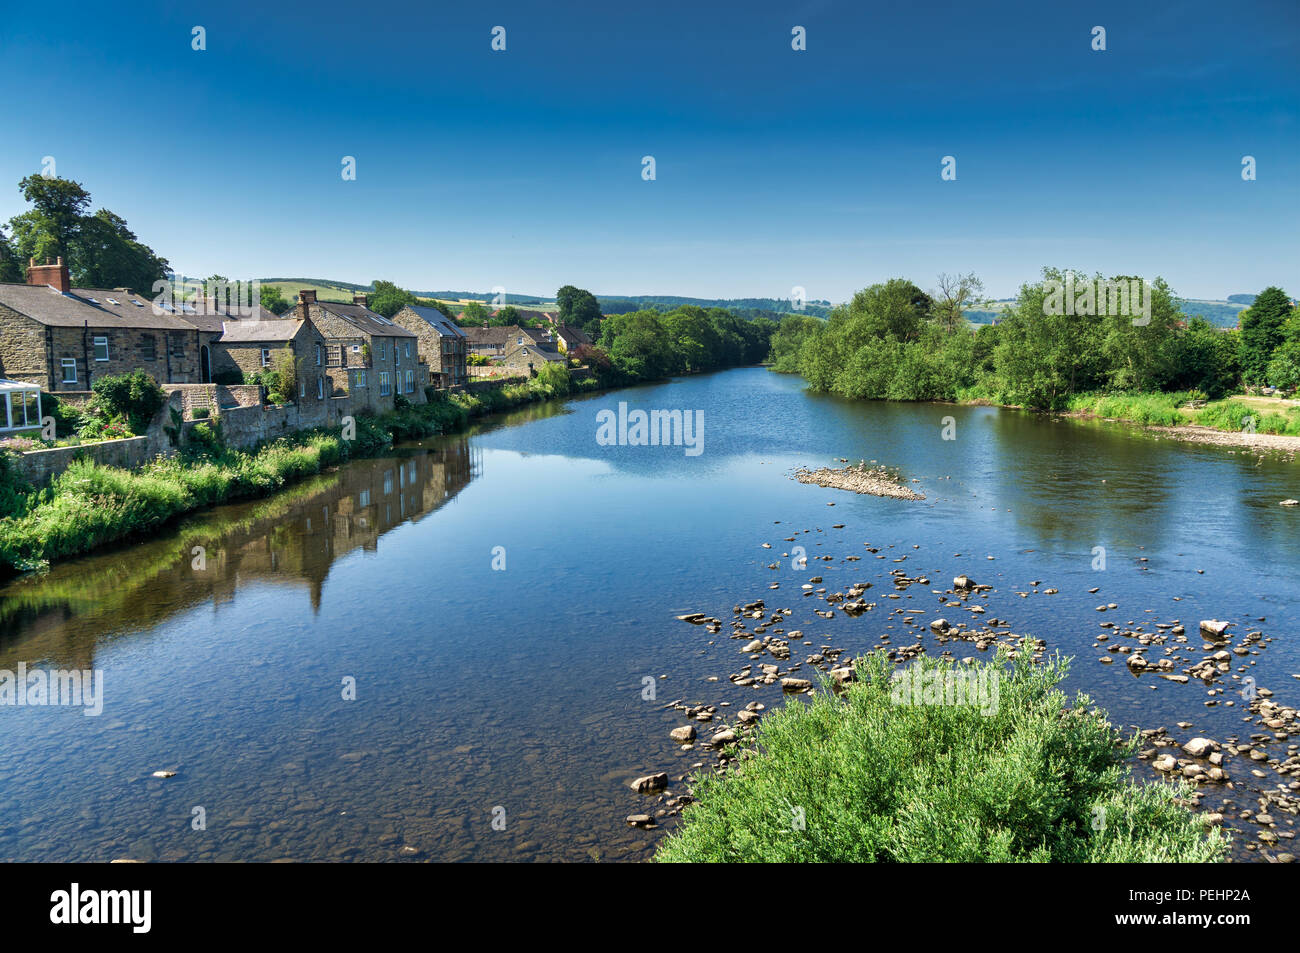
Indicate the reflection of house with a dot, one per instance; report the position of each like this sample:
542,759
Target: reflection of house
66,338
291,541
375,359
443,345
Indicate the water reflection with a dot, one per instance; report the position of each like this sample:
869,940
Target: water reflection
63,616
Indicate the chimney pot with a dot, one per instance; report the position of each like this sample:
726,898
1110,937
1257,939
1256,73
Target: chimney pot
361,299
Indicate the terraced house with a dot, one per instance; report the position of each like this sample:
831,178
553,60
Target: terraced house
375,359
249,347
443,345
64,338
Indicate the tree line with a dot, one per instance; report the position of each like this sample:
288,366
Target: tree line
894,341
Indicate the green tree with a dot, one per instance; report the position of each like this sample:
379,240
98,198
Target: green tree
10,268
272,299
506,316
1261,332
580,309
388,299
475,313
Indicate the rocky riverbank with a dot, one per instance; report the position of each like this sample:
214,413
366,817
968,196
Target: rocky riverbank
1248,783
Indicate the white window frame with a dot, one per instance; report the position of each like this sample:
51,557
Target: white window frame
266,357
65,363
384,386
96,342
361,379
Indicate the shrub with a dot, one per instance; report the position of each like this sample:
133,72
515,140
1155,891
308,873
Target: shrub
135,397
880,781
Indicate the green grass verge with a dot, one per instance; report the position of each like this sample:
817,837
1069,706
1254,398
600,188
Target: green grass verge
1040,778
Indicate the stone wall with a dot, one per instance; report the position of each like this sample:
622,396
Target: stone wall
22,349
39,466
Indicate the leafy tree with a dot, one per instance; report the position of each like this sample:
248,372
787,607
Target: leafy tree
580,309
639,345
272,299
475,313
388,299
956,294
506,316
10,268
1261,332
1205,359
101,251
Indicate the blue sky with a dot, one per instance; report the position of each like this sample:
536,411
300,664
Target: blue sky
775,168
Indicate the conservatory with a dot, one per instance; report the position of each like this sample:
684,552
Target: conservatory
20,405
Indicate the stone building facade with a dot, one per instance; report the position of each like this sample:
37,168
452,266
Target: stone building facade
443,345
66,338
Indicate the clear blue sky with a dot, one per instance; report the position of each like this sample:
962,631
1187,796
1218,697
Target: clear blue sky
775,168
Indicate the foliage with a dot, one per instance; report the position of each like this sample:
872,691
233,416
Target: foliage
272,299
1041,777
1262,333
388,299
134,398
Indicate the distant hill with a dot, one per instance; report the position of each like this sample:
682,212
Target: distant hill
1221,314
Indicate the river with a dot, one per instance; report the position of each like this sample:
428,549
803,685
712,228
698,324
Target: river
500,713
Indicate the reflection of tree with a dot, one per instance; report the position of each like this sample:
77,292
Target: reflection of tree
292,538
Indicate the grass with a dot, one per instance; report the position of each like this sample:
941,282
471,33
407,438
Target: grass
1041,778
1169,410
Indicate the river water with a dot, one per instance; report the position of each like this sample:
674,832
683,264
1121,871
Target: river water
500,713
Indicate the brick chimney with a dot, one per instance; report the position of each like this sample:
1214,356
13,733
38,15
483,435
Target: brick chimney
56,275
306,298
361,299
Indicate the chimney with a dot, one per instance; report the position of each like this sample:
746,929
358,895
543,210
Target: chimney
306,298
363,300
56,275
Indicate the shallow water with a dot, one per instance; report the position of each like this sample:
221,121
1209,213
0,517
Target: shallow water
517,694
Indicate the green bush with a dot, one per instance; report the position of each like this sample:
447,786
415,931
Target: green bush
1039,778
135,397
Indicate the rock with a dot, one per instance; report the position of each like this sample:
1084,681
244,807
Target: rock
1200,747
939,625
1289,503
696,618
1213,628
164,774
683,735
795,684
1166,763
651,782
962,582
725,737
641,820
752,647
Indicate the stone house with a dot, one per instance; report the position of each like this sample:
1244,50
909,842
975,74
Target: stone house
569,338
526,356
372,358
252,347
443,345
64,338
495,342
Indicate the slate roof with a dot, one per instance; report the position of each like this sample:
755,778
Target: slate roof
365,319
437,320
254,332
98,307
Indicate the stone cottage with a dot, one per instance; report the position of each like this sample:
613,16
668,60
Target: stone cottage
443,345
66,338
379,359
251,347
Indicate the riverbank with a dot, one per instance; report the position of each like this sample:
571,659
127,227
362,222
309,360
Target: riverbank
90,506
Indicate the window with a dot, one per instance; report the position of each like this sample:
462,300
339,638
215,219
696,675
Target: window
318,355
69,370
177,345
320,388
101,349
361,379
148,348
383,384
410,381
302,388
408,348
266,357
